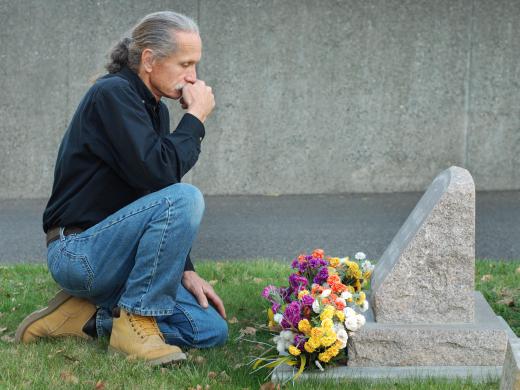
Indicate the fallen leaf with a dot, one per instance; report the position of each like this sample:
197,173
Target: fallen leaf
68,377
224,377
258,280
212,375
2,330
486,277
233,320
6,338
100,385
268,386
213,282
507,301
199,359
249,330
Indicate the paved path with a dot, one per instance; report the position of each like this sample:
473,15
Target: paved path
248,227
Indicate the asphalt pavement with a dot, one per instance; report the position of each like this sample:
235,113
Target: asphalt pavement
280,227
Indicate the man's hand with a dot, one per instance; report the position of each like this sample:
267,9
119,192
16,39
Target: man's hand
198,99
202,291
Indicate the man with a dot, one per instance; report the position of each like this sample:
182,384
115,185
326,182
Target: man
119,223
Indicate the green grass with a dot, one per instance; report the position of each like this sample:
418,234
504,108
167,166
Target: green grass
73,363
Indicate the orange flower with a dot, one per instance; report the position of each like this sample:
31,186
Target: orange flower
333,297
333,279
340,305
316,289
318,253
325,301
339,288
301,258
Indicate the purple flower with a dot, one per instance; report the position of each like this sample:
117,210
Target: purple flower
295,263
291,316
299,341
268,290
322,276
307,300
297,282
285,293
275,307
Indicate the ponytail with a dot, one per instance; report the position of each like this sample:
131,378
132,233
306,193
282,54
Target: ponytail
119,55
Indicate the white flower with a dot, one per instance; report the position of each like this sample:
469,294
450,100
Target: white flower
342,336
343,260
364,306
278,318
351,323
360,256
346,295
287,336
367,266
326,293
316,306
349,312
360,320
280,347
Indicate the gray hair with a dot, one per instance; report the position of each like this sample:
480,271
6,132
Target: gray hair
153,32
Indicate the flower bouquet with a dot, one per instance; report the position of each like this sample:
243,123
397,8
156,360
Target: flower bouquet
315,314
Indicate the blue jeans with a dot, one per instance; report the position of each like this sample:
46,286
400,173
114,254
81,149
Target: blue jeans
134,259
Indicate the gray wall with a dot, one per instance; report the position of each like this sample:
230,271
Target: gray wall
312,96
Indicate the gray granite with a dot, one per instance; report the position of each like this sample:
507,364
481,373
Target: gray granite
511,369
481,343
475,373
426,275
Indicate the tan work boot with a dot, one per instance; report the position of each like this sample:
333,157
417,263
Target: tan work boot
64,316
139,337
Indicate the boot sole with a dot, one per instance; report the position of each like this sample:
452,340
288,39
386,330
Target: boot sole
171,358
54,303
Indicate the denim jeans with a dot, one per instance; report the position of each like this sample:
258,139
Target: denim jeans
134,259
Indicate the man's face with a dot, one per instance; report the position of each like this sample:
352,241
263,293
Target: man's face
169,75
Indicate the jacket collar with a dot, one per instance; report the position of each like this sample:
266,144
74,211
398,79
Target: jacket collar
139,86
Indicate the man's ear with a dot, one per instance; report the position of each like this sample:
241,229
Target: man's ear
147,60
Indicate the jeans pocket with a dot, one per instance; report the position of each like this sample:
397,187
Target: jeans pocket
72,272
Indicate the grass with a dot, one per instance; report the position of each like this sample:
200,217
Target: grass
74,363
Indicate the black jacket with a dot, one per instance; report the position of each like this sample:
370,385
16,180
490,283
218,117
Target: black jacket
118,148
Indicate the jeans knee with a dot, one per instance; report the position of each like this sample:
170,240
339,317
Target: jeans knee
190,199
219,333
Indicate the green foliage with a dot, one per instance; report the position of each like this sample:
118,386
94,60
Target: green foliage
67,362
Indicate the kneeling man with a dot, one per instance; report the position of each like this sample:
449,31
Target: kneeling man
119,223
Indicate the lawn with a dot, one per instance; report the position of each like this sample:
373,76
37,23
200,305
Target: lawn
75,363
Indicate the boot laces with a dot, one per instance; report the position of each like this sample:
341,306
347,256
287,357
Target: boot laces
147,326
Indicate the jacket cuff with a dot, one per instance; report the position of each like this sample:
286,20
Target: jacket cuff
195,126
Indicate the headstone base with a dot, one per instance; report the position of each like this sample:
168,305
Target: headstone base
482,343
475,373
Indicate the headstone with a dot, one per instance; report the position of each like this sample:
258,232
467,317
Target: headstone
511,371
425,310
426,275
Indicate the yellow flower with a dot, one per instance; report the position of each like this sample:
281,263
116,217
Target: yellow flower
314,342
329,337
367,275
327,323
351,290
352,265
309,347
334,261
316,332
328,312
325,357
361,298
302,293
304,326
340,315
294,351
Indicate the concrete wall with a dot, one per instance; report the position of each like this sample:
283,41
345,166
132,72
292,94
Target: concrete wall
312,96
